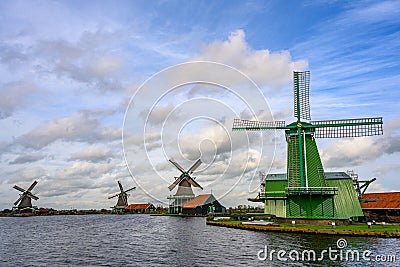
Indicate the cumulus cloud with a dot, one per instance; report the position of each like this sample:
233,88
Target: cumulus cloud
351,152
355,151
13,96
263,66
12,54
106,65
92,154
82,169
158,114
76,177
28,158
84,61
79,127
376,188
27,175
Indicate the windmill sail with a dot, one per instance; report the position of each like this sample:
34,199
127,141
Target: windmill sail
195,166
185,181
194,183
179,167
348,127
301,87
175,183
247,125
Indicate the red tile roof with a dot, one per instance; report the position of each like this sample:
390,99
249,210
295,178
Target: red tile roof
197,201
389,200
138,206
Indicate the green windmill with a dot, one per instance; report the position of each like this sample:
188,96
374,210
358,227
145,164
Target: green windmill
306,190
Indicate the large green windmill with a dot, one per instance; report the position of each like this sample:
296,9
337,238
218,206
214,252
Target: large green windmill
306,190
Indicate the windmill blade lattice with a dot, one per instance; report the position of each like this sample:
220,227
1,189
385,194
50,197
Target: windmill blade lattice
114,195
175,183
120,186
194,183
301,87
195,166
179,167
348,128
239,124
133,188
32,196
18,188
32,186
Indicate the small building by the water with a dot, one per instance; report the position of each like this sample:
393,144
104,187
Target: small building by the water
140,208
201,205
383,207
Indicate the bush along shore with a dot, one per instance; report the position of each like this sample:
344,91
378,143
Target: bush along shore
353,229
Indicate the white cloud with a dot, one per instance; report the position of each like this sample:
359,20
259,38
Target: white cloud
158,114
28,174
28,158
14,96
356,151
376,188
263,66
92,154
350,152
77,127
106,65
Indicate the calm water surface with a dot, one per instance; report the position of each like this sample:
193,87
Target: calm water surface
143,240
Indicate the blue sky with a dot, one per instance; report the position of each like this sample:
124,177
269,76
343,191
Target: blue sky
70,68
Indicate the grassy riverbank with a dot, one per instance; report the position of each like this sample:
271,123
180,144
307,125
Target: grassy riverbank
356,229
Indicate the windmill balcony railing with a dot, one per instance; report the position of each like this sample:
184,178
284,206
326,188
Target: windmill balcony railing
272,194
312,190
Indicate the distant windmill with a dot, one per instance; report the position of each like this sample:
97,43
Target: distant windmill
122,201
25,198
185,183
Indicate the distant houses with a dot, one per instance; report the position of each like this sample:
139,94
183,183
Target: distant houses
140,208
200,205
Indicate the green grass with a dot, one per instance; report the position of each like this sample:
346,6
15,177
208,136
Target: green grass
355,227
350,227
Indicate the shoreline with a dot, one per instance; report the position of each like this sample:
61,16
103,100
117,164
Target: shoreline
302,229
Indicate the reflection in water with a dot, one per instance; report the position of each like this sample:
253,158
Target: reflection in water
143,240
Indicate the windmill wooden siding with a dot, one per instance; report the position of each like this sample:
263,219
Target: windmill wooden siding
342,204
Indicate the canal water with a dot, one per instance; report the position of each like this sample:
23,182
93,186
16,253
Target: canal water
143,240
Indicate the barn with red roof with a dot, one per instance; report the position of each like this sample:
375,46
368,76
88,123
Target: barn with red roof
140,208
202,205
381,206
